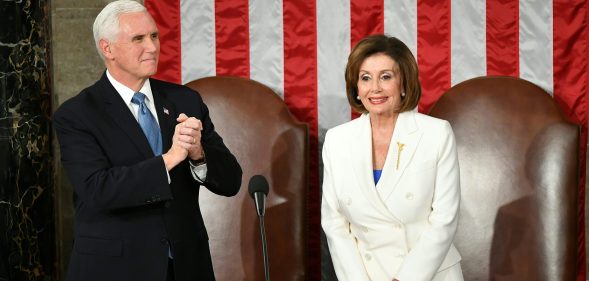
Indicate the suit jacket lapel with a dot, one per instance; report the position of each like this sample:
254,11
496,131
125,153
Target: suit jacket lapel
404,142
166,114
116,109
361,152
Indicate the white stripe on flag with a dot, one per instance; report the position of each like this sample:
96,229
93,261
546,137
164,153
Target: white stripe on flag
468,46
266,44
535,43
400,20
333,47
198,39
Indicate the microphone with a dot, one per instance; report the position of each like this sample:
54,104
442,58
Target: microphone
258,190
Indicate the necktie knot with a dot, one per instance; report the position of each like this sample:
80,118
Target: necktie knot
139,99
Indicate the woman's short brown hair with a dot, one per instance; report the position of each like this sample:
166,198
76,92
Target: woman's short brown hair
396,50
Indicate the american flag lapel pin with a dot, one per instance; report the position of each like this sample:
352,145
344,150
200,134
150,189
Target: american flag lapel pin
166,111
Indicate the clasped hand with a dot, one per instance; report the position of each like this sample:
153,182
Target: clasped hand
185,142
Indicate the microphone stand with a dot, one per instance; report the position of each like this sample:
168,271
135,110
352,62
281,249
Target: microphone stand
264,248
258,189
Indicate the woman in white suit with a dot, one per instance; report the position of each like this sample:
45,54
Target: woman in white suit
391,186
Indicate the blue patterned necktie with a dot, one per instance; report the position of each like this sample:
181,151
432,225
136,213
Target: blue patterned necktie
148,123
150,129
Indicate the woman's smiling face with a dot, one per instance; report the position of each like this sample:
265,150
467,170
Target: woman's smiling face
379,85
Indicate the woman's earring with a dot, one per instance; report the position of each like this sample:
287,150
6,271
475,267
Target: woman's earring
402,94
358,97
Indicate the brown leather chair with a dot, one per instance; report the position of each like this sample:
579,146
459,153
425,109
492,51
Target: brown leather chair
519,166
267,140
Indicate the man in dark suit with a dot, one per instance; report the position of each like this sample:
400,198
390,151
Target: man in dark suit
137,151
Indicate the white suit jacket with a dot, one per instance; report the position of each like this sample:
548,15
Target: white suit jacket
404,226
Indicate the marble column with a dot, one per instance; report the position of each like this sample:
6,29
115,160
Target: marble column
27,240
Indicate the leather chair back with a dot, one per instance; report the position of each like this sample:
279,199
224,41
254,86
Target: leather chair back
267,140
519,171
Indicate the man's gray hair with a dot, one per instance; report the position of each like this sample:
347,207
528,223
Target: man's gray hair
106,25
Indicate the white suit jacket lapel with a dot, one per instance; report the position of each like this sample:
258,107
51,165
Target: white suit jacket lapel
361,151
402,148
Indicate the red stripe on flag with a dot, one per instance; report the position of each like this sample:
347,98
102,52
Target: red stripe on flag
433,50
232,38
366,18
571,87
167,17
503,37
300,94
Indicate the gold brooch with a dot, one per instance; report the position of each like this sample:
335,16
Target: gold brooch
399,149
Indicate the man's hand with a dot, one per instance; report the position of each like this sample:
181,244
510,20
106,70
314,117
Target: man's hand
178,151
189,136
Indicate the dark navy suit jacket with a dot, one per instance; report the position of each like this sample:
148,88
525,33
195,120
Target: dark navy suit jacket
127,215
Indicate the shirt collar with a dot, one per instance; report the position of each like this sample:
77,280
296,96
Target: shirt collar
126,93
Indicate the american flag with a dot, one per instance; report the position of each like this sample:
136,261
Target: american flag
299,48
